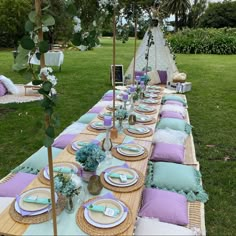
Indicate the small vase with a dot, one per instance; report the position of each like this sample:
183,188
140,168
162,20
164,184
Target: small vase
85,175
94,185
70,206
120,125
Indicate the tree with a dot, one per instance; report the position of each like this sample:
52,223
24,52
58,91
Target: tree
177,7
12,20
219,15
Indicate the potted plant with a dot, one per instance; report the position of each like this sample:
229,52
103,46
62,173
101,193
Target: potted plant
89,156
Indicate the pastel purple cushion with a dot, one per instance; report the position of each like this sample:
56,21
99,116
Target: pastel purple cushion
63,140
107,98
167,206
163,76
139,73
172,102
3,89
96,109
171,114
16,184
168,152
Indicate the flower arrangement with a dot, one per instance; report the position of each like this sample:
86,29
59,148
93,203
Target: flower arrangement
89,156
66,185
121,114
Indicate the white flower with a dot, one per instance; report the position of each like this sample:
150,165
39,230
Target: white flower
85,35
45,29
94,23
77,28
52,79
76,180
53,91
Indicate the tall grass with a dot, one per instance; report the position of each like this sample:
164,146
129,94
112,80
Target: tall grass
85,78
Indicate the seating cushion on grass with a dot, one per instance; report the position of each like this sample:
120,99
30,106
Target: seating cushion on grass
173,98
171,114
150,226
167,206
74,128
16,184
63,140
172,102
37,161
3,89
87,118
178,178
5,202
168,152
163,76
171,107
168,135
96,109
175,124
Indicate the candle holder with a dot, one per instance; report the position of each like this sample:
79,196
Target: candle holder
132,116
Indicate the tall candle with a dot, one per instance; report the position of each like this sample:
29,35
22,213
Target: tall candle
107,121
132,89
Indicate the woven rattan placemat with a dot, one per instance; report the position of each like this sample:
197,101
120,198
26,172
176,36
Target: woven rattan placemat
139,135
129,158
92,230
131,188
38,218
146,112
96,130
43,180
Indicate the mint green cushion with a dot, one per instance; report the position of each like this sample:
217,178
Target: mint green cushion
173,98
87,118
111,92
175,124
178,178
37,161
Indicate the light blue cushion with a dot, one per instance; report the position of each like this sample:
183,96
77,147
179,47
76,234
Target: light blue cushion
37,161
178,178
87,118
175,124
174,98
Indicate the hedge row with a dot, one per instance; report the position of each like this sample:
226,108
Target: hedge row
204,41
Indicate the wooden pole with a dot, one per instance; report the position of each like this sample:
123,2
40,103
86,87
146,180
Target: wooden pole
135,44
114,131
47,122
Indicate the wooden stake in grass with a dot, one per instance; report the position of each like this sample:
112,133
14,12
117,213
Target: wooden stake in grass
114,131
135,43
47,121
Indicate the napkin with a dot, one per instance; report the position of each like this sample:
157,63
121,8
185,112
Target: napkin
115,175
61,169
38,200
105,196
104,210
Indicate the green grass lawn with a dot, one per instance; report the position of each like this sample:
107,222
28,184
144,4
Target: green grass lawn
84,79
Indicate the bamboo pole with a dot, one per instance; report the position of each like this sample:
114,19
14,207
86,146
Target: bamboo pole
135,45
114,131
47,121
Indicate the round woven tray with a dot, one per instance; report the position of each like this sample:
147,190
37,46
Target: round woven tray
138,135
92,230
70,149
38,218
96,130
146,112
153,121
131,188
158,102
43,180
127,158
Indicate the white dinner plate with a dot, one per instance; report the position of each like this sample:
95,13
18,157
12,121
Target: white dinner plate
139,130
142,118
125,152
151,101
145,108
78,144
97,125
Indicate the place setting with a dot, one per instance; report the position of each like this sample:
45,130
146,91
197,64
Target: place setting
138,131
151,101
105,215
145,119
145,109
34,206
117,106
96,126
151,95
122,179
101,115
76,145
66,168
130,152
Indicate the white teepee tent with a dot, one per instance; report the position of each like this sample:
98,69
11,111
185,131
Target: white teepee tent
160,57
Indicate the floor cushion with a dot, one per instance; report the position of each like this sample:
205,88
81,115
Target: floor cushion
96,109
163,76
87,118
63,140
150,226
16,184
173,98
74,128
3,89
5,202
167,206
171,107
171,114
11,88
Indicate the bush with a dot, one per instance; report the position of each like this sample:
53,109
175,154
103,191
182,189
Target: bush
204,41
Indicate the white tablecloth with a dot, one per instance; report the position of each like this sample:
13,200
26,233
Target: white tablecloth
52,58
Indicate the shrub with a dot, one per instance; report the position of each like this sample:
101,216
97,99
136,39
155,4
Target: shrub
204,41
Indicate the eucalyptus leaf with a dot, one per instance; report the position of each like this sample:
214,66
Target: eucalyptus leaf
27,43
27,75
41,91
50,131
71,10
48,141
37,82
43,46
18,67
46,8
47,86
29,26
32,16
48,20
77,39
